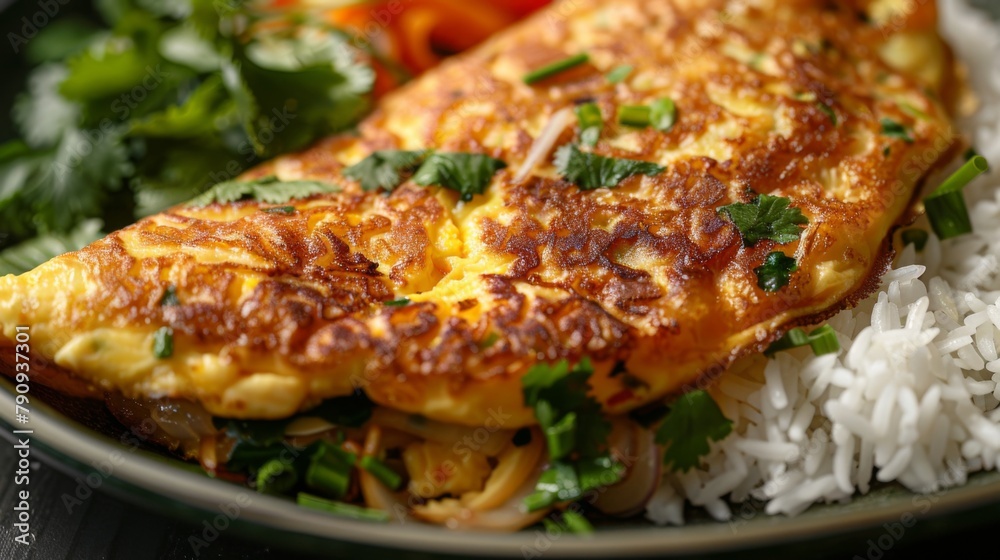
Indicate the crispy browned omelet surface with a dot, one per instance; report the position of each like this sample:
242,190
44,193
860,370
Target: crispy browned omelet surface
278,312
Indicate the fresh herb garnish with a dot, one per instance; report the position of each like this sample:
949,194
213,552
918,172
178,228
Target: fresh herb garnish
894,129
398,302
169,297
828,111
467,173
574,430
276,477
382,472
279,210
163,343
489,341
266,189
767,217
822,341
916,236
661,114
591,123
385,169
619,73
554,68
572,522
776,271
946,208
633,115
341,509
590,171
329,471
694,420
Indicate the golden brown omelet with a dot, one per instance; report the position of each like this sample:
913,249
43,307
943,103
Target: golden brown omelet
279,311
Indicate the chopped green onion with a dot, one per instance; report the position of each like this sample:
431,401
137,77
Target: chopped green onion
914,111
561,436
280,210
276,477
398,302
163,343
577,523
342,509
169,297
381,471
634,115
822,341
618,74
828,110
489,341
893,129
945,206
329,469
591,123
554,68
663,114
917,237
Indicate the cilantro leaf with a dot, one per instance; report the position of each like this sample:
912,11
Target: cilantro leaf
893,129
591,123
591,171
33,252
693,421
573,426
266,189
308,79
196,116
767,217
776,271
42,115
467,173
828,111
384,169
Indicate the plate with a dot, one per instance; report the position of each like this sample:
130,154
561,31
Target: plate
106,457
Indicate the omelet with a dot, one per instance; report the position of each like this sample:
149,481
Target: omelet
436,302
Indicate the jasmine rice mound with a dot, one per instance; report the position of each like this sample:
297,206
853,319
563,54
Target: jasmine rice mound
912,396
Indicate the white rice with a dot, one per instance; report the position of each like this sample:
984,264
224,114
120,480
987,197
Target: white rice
912,396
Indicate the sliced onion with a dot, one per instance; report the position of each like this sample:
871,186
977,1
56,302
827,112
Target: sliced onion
509,516
307,426
542,145
630,496
449,434
376,494
515,465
